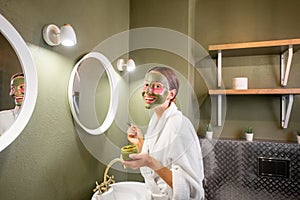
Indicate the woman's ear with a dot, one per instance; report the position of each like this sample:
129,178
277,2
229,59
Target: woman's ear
172,93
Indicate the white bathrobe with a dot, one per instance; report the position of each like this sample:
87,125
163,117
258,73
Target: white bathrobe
7,118
173,141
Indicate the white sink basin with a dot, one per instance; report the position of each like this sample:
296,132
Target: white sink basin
125,190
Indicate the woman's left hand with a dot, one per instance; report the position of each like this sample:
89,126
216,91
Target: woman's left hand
142,160
145,160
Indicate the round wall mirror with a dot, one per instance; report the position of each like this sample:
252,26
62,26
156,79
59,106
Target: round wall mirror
9,65
14,51
93,93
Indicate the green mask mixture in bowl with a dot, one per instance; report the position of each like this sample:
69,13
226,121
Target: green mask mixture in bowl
127,150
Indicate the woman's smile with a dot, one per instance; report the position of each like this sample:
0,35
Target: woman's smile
150,99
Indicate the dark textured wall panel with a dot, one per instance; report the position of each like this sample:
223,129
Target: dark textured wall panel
231,170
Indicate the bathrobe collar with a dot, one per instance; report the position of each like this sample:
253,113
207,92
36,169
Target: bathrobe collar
156,125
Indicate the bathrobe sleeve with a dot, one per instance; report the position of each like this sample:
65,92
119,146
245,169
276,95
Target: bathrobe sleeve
186,158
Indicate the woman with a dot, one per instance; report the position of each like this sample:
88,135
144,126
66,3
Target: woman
17,92
170,155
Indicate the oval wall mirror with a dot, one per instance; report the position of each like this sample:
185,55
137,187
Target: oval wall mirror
17,50
92,93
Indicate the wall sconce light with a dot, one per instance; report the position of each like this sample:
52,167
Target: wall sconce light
65,35
129,66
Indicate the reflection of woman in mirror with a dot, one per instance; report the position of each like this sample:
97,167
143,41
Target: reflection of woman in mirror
170,157
17,91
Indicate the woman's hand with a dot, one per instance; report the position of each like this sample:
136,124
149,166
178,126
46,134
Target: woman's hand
145,160
142,160
135,136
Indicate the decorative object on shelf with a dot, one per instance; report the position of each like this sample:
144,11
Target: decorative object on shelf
209,132
65,35
240,83
249,133
298,136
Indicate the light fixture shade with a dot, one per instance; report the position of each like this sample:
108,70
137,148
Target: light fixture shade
67,35
130,65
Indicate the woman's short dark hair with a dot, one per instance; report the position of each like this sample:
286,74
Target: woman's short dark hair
17,75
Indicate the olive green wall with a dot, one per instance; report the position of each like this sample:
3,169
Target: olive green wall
48,160
228,21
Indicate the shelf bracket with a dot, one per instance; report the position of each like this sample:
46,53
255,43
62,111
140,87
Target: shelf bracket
219,117
286,108
219,68
285,65
219,79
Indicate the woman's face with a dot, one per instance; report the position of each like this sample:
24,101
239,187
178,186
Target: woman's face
17,90
155,89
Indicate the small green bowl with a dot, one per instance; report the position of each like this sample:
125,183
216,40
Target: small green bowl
127,150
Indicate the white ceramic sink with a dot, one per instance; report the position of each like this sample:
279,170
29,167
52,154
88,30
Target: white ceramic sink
124,191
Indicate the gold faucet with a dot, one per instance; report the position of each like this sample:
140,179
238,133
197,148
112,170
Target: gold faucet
107,180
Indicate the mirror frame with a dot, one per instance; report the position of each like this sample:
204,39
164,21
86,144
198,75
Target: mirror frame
113,81
31,82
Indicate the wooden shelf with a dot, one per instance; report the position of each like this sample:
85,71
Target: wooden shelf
274,91
254,48
284,48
